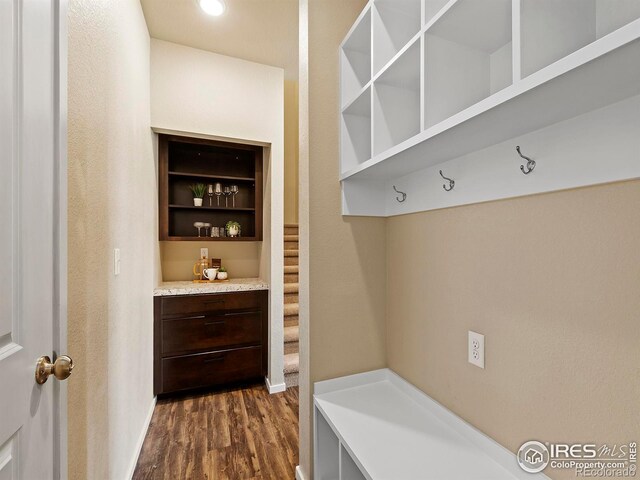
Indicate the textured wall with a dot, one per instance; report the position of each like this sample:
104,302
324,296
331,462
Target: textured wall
112,204
291,151
552,282
241,259
347,271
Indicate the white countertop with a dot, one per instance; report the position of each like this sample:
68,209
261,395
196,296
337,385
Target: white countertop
190,288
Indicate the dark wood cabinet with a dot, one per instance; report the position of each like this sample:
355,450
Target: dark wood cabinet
183,161
209,340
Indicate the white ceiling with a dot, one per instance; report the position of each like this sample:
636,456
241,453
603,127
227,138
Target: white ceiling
262,31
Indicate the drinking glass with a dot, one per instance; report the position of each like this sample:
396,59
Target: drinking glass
207,226
227,192
210,191
198,225
234,191
217,190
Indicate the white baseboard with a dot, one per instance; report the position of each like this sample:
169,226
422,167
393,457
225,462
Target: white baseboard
143,434
277,388
299,474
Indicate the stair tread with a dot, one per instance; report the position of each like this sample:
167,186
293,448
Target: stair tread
291,253
291,238
291,363
291,309
292,287
291,269
291,334
290,225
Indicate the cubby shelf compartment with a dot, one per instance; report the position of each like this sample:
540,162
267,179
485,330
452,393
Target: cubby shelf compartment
468,57
396,100
355,58
552,29
395,22
356,131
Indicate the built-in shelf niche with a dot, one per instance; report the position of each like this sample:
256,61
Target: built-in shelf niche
396,102
468,57
184,161
356,131
355,59
395,22
553,29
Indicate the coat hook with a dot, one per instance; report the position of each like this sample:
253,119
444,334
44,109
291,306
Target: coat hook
404,195
452,183
531,164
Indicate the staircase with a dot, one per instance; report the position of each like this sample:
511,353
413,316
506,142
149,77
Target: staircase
291,333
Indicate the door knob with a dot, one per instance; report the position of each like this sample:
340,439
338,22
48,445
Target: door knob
61,368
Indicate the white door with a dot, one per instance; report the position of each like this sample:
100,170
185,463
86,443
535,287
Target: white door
32,235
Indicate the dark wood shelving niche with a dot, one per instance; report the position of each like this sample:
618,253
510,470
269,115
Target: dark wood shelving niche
183,161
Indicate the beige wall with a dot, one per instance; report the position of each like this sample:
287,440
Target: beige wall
241,259
112,204
206,93
552,282
347,271
291,151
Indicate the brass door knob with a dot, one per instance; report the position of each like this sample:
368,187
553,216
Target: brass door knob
61,368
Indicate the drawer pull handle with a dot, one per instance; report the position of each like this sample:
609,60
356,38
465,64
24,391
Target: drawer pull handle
194,317
219,322
212,360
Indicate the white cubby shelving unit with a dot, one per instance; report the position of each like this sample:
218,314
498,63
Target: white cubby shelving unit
426,82
375,425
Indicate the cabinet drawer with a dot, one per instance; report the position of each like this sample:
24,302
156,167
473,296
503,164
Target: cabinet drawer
208,332
217,302
205,369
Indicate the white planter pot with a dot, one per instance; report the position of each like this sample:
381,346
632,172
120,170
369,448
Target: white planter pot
197,202
222,275
233,231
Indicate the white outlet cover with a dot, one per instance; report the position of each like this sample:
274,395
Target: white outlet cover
204,253
476,349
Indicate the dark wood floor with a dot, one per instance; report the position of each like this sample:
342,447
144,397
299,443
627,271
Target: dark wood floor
234,434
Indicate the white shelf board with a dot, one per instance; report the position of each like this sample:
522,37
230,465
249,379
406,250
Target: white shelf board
601,73
392,430
432,8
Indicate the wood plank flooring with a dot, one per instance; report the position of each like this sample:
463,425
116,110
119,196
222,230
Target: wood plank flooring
243,434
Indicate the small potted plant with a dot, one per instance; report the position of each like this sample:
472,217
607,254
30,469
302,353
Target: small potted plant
233,228
222,274
198,190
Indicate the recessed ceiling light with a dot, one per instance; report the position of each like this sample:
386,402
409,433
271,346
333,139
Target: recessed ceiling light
212,7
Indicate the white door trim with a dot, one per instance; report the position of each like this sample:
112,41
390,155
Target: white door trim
60,235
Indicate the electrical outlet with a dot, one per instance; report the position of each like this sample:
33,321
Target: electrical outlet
204,253
476,349
116,261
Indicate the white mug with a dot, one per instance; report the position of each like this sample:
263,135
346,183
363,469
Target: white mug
210,273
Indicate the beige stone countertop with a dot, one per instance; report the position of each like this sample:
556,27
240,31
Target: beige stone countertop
190,288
